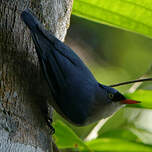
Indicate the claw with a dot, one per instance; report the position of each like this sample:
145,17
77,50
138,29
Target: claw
49,122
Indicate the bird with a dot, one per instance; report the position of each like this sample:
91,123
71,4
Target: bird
77,96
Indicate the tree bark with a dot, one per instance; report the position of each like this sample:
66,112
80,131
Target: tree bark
23,90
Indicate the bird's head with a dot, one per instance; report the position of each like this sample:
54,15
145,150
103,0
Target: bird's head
114,95
107,101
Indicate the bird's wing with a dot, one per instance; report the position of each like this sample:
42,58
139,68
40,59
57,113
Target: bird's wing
52,70
63,49
58,61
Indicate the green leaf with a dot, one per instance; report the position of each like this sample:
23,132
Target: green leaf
117,145
144,135
144,96
132,15
121,133
66,138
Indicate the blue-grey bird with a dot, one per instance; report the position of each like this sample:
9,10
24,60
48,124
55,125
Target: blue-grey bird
78,96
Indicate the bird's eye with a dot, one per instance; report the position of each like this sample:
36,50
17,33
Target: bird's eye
111,95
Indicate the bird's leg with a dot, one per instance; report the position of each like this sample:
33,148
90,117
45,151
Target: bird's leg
46,113
48,118
49,124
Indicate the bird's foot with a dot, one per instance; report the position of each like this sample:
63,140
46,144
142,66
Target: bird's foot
49,123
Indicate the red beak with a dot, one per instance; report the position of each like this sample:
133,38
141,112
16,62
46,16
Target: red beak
129,101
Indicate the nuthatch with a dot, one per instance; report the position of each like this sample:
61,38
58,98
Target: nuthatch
77,95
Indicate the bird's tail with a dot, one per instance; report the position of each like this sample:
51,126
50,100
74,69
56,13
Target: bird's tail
37,28
30,20
45,47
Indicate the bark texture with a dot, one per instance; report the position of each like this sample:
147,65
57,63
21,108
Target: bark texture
23,90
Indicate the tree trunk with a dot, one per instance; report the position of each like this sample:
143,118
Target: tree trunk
23,90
